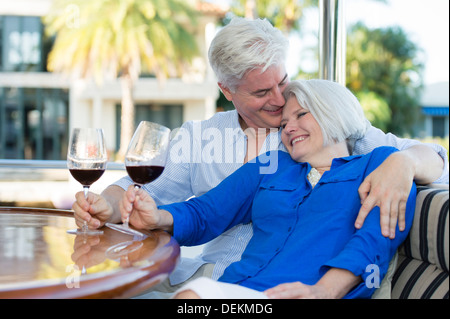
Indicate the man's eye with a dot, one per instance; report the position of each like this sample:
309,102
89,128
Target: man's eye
261,93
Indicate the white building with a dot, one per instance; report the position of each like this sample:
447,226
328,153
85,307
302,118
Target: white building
39,108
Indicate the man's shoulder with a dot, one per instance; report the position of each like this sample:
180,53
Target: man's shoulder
219,120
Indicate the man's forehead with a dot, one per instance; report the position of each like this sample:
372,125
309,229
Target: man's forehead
257,80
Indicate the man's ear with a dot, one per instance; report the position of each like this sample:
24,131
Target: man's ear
226,91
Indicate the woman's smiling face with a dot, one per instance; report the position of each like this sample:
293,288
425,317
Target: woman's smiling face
301,134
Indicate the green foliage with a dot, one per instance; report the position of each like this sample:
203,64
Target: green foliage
376,109
384,61
285,15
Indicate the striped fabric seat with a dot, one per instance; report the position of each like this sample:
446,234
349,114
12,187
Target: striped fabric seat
422,268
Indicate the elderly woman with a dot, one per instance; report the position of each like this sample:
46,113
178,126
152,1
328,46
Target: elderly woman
304,241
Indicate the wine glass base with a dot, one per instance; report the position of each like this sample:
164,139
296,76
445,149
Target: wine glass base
89,232
125,229
122,249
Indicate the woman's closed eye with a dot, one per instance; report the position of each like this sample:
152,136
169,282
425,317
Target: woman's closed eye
301,114
298,116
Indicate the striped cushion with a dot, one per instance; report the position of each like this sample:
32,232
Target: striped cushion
422,269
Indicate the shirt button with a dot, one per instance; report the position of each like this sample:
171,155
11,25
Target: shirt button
290,228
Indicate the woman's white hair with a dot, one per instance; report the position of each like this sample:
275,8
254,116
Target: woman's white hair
336,110
244,45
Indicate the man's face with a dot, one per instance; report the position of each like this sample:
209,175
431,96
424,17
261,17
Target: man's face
259,97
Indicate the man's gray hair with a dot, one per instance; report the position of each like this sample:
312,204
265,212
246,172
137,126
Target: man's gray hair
244,45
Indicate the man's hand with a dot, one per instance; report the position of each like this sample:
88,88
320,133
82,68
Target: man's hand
143,212
95,210
387,187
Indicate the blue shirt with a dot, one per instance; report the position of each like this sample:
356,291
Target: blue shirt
204,153
298,231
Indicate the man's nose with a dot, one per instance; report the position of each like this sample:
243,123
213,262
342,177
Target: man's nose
277,97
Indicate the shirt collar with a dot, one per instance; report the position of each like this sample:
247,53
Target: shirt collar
342,169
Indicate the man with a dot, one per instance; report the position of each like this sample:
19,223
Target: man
248,57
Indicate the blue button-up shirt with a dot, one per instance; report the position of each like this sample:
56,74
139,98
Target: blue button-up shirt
298,232
204,153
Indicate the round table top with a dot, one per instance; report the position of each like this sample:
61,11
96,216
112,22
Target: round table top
39,259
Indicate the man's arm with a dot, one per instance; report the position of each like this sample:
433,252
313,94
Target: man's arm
389,185
113,195
427,164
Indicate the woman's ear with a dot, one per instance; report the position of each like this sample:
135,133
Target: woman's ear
226,92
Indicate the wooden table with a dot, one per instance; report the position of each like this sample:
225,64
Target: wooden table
39,259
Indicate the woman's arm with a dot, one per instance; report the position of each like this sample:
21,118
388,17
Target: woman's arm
203,218
199,219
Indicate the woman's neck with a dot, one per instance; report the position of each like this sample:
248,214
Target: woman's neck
322,160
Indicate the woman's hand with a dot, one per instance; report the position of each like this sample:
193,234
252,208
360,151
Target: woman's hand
143,212
335,284
298,290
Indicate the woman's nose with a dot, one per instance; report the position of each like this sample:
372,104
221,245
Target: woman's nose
289,128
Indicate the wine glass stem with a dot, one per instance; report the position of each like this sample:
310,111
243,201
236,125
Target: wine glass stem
127,220
86,191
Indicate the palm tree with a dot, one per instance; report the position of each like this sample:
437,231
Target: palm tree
121,39
283,14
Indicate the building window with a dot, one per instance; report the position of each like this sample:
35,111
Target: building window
33,123
439,126
164,114
21,44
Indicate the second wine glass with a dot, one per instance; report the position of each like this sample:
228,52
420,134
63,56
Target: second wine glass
145,160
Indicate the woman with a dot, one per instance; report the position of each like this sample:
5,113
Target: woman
302,215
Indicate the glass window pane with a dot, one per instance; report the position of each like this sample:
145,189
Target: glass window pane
21,44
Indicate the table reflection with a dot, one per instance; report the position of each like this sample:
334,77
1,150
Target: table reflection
35,249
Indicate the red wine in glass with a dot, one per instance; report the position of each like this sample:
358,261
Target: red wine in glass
86,160
86,177
144,174
145,160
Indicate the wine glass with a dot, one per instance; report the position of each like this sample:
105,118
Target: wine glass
86,160
145,160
